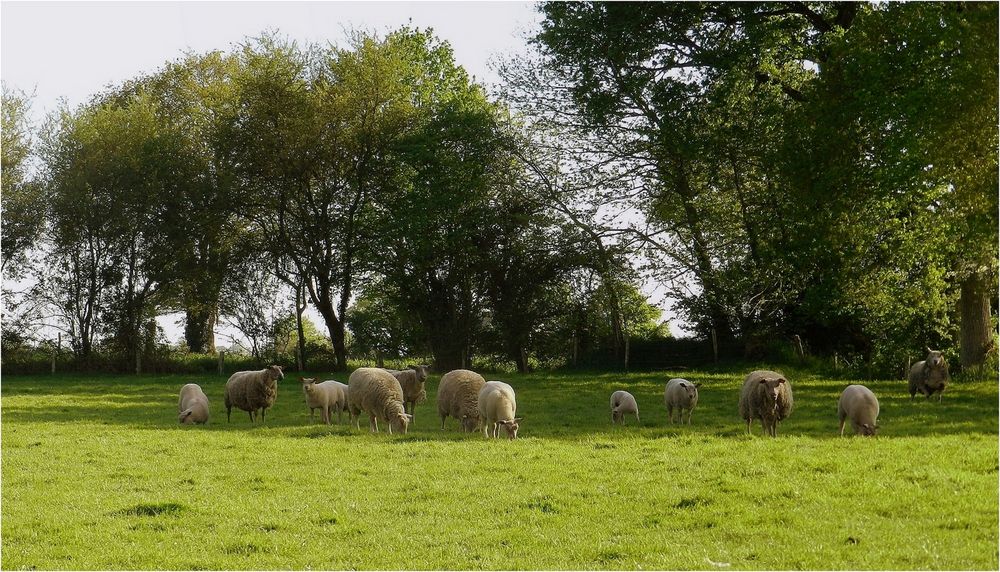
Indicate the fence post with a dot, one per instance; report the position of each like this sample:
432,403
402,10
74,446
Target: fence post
222,361
138,361
626,351
715,345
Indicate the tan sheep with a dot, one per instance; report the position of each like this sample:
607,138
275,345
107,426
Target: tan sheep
326,396
376,392
412,381
930,375
860,405
682,395
766,395
458,396
497,407
252,391
193,405
623,402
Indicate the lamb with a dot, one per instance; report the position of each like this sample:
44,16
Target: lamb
623,402
929,376
860,405
682,395
193,405
376,392
412,381
767,395
497,407
253,390
326,396
458,396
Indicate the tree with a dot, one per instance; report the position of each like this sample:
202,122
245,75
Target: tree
23,208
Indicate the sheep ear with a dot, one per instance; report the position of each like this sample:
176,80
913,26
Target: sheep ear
697,385
929,350
682,384
763,381
782,380
518,419
408,416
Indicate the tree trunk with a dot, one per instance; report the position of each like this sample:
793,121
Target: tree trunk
199,330
300,306
976,331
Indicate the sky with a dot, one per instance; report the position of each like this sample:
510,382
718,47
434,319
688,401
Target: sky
68,51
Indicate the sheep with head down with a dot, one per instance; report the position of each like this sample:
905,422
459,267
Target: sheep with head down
497,407
376,392
622,403
458,396
860,405
193,405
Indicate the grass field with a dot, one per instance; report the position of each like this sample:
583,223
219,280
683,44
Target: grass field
98,475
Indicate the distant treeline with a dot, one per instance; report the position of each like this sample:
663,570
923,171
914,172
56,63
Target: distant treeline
820,170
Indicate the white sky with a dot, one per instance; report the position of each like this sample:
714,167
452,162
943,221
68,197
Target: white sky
71,50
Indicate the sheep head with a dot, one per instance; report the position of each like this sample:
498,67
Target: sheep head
400,422
308,384
185,416
470,423
274,372
421,371
935,359
511,425
868,430
772,387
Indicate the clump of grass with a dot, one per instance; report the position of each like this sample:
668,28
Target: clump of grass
153,509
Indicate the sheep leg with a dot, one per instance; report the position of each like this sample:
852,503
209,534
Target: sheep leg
312,418
372,423
843,420
262,409
326,415
228,411
442,422
637,418
749,422
251,414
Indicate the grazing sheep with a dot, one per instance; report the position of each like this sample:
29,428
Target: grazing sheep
766,395
326,396
929,376
412,381
860,405
193,405
497,407
458,396
682,395
377,393
623,402
253,390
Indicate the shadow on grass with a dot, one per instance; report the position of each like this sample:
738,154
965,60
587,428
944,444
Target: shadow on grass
557,405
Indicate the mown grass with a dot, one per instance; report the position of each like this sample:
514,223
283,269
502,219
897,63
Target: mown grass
98,475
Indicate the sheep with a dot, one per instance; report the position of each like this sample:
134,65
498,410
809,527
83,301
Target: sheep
193,405
376,392
623,402
458,396
929,376
767,395
497,407
327,396
860,405
253,390
682,395
412,381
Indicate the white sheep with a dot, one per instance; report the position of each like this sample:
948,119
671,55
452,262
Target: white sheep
766,395
623,402
930,375
458,396
326,396
497,407
860,405
376,392
193,405
682,395
412,381
253,390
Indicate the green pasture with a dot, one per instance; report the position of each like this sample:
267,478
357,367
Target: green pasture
96,474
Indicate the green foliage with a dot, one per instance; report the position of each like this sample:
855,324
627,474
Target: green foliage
23,206
98,474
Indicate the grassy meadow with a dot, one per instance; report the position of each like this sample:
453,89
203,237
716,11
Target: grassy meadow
97,474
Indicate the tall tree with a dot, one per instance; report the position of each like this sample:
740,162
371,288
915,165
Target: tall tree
23,208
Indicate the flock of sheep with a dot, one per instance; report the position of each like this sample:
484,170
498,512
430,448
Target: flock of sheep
391,395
